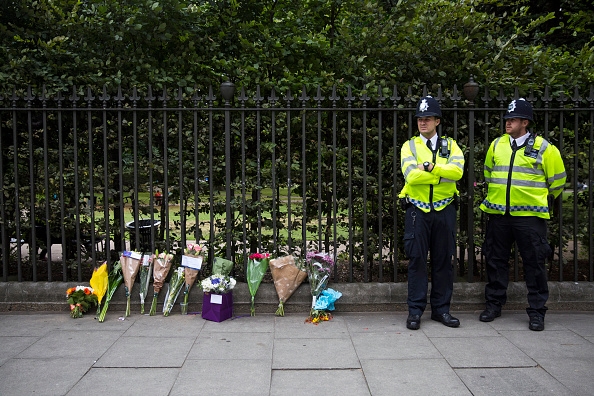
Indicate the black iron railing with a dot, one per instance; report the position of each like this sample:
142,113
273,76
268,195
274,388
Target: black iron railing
96,173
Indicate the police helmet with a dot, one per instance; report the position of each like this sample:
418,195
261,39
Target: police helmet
428,107
519,108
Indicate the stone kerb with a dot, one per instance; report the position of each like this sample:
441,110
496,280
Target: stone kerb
357,297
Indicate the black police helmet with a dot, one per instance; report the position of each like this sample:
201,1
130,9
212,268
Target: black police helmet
519,108
428,107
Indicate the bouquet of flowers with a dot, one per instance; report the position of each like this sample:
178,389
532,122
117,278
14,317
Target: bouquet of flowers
287,276
175,283
99,282
115,279
130,266
80,298
190,275
324,302
144,273
193,256
256,268
161,266
319,266
218,284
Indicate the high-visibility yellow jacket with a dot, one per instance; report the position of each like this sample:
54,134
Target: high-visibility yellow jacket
435,189
520,182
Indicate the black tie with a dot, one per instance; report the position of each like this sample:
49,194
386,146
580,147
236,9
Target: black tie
514,145
429,146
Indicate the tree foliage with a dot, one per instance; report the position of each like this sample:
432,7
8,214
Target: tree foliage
286,43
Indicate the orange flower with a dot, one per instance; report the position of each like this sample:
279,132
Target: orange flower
87,291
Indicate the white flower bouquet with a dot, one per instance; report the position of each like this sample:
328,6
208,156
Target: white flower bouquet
218,284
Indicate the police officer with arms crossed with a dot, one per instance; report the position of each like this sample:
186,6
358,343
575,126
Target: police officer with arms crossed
522,170
431,166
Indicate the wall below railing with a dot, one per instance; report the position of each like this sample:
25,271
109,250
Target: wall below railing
357,297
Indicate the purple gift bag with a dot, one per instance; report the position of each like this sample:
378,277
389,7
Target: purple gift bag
217,307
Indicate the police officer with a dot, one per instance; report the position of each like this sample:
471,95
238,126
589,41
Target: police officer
522,171
431,166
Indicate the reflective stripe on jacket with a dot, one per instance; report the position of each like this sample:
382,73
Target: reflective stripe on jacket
519,183
435,189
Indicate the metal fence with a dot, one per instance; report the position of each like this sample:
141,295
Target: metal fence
95,173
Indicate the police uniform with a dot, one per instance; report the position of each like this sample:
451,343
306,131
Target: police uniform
521,175
430,223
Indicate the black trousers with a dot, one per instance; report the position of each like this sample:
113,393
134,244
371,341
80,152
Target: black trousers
432,232
530,233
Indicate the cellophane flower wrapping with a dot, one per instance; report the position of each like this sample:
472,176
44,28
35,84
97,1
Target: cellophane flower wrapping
176,282
287,273
190,276
161,266
80,299
256,268
319,268
99,281
218,284
144,273
115,279
326,300
193,256
222,266
130,265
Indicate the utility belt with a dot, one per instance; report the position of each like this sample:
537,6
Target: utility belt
405,202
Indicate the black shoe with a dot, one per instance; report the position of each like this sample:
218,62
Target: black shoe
488,315
413,322
536,323
446,319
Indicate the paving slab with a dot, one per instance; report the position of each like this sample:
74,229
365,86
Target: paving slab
42,376
126,381
223,377
253,324
308,353
232,346
147,352
12,346
323,382
481,352
511,381
412,377
114,322
381,322
36,325
576,373
162,326
400,345
353,354
71,344
581,324
550,344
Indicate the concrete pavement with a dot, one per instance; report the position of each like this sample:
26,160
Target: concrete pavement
371,353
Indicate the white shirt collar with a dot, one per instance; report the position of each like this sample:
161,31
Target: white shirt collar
521,140
433,140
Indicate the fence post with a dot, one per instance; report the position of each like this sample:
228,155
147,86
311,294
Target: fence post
227,91
471,89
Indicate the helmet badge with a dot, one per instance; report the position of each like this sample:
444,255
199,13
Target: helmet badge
424,106
512,106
